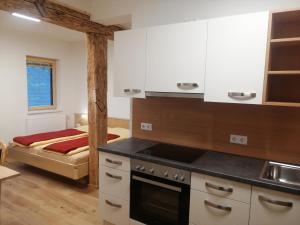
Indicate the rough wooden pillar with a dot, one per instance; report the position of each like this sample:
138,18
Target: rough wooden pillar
97,100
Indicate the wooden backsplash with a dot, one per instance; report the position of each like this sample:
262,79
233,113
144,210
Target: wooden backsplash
273,132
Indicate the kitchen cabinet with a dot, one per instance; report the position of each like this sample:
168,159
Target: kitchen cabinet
176,57
113,210
221,187
114,190
274,208
236,54
209,209
114,182
130,63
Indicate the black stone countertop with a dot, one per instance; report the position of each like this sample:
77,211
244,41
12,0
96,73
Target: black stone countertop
228,166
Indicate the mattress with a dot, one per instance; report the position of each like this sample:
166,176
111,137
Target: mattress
75,157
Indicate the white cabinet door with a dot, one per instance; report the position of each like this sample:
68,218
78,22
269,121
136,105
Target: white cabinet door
236,53
130,63
113,210
274,208
207,209
114,182
176,57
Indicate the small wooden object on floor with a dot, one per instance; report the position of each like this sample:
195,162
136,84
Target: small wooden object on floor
6,173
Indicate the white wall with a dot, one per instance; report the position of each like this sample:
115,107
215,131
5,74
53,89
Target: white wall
148,13
117,107
14,46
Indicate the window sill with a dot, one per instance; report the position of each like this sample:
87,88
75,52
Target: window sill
44,111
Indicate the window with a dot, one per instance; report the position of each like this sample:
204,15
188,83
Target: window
41,83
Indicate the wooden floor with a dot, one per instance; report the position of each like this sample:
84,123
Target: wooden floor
41,198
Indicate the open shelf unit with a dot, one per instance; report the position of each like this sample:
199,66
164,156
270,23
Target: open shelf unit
282,79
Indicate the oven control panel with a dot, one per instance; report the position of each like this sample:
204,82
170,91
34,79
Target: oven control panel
166,172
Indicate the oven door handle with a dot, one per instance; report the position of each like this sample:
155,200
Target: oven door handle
156,183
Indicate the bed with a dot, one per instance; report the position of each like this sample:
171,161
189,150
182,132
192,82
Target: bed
74,164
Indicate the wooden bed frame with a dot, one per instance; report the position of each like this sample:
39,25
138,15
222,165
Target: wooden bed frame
73,171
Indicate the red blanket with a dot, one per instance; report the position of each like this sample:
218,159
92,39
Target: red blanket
70,145
28,140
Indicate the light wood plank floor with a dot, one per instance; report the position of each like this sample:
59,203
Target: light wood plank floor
41,198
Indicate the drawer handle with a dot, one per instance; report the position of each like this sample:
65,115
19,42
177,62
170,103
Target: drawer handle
219,188
275,202
114,162
216,206
187,86
132,91
241,95
113,204
113,176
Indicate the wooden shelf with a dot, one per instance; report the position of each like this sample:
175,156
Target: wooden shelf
285,41
290,104
286,24
284,72
283,76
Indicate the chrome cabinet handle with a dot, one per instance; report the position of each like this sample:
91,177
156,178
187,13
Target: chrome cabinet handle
187,86
113,176
275,202
113,204
114,162
219,188
216,206
132,91
241,95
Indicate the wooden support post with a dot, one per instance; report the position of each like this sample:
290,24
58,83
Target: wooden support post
97,100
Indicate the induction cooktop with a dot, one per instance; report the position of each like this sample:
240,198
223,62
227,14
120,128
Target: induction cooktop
173,152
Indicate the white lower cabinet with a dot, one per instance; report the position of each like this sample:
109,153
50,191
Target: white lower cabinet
114,182
114,190
207,209
274,208
113,210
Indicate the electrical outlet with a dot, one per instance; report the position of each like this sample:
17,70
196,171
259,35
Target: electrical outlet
146,126
238,139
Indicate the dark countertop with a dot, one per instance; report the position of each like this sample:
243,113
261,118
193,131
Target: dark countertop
232,167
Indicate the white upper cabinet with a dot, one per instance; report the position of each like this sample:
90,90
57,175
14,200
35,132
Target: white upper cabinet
176,57
130,63
236,53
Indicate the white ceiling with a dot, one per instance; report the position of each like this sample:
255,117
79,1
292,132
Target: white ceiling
8,21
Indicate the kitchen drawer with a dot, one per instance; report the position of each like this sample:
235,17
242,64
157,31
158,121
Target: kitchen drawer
113,210
114,161
114,182
203,210
221,187
274,208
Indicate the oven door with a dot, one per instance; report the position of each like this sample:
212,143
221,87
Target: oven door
156,201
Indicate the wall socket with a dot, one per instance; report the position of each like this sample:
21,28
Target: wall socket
238,139
146,126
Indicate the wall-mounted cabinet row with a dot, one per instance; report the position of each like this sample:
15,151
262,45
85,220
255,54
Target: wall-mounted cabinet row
251,58
223,58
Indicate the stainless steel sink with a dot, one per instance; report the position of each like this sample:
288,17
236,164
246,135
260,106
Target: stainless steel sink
281,173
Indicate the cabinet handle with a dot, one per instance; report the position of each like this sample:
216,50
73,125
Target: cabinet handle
241,95
114,162
216,206
113,204
187,86
113,176
132,91
275,202
219,188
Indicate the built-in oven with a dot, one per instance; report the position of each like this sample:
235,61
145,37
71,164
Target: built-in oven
159,195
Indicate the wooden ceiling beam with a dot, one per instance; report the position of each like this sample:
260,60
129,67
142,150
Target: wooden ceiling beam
59,15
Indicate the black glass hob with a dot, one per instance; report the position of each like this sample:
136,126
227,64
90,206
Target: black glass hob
173,152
